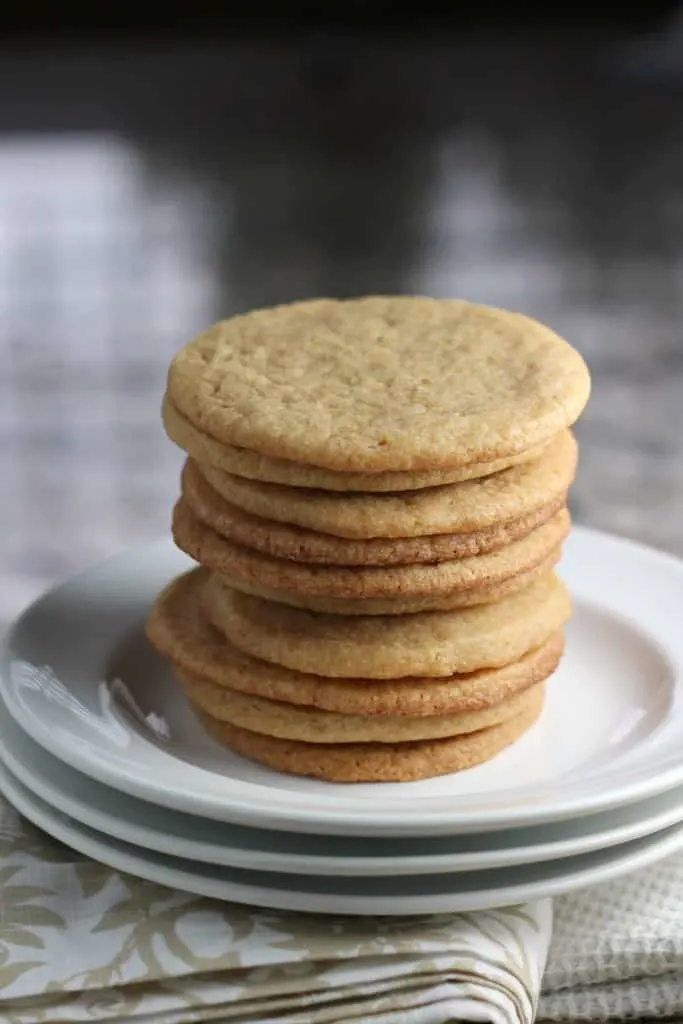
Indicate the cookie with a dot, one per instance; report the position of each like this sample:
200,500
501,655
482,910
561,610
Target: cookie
241,462
280,540
308,725
450,508
244,565
375,762
380,383
391,646
177,629
402,605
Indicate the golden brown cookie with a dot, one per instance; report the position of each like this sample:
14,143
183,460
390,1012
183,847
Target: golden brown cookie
392,646
311,725
376,762
279,540
380,383
179,631
452,508
241,462
401,605
243,565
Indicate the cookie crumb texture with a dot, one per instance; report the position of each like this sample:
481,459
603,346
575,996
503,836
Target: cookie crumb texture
241,462
180,630
297,544
375,762
380,384
246,568
311,725
449,508
391,647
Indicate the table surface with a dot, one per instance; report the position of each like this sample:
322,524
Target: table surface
146,191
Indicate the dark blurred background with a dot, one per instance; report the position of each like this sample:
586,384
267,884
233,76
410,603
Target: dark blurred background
157,175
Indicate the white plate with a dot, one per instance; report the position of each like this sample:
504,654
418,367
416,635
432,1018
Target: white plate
611,733
433,894
201,839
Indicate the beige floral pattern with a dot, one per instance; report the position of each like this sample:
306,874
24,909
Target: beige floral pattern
80,942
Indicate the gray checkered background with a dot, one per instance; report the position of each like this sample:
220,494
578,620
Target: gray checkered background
143,198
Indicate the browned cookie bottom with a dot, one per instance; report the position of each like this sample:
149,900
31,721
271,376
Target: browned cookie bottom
376,762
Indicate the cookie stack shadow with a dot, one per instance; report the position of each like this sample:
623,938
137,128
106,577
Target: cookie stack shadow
365,626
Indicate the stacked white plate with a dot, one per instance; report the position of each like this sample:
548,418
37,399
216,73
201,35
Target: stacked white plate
99,748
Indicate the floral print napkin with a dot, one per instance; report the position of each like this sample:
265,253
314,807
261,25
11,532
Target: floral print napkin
81,942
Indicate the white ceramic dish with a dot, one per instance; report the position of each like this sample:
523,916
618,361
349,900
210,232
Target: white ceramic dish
416,894
79,677
201,839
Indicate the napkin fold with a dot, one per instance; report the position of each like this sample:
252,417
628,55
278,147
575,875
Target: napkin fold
81,942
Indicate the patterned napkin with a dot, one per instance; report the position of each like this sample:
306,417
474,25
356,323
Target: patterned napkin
80,942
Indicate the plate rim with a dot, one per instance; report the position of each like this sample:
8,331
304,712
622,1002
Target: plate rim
95,816
611,865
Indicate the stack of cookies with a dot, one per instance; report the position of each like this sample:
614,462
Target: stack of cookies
376,494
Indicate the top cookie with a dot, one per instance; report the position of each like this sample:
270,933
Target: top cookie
380,384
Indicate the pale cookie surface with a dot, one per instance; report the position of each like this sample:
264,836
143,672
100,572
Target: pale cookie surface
289,722
280,540
375,762
392,647
243,565
179,631
242,462
380,383
402,605
450,508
